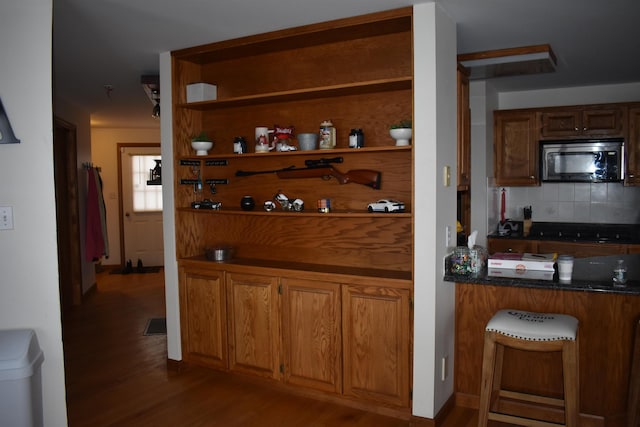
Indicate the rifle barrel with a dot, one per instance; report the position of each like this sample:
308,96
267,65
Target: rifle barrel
250,173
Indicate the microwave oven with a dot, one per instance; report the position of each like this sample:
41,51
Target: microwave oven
593,160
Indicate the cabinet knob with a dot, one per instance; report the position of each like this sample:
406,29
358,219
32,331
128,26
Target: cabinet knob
585,128
532,177
576,129
631,175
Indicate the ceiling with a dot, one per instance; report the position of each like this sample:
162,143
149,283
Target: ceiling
102,47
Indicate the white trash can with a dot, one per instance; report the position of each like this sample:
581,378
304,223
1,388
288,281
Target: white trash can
20,379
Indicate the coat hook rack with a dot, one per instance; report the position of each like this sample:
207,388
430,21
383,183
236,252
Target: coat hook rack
6,132
88,165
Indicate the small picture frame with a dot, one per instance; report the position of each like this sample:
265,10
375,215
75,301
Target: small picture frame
6,132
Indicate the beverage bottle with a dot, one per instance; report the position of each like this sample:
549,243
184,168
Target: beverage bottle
620,273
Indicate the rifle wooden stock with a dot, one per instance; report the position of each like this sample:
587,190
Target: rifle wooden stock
370,178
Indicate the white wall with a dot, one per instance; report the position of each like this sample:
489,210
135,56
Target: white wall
29,296
483,99
174,349
580,95
434,204
104,153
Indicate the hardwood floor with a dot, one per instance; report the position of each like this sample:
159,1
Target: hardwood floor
116,376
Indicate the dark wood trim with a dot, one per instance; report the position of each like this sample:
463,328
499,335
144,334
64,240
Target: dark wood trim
66,172
513,51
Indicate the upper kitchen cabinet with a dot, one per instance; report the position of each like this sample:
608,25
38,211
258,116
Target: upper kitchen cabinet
515,148
633,147
583,122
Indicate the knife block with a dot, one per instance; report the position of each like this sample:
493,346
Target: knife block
526,227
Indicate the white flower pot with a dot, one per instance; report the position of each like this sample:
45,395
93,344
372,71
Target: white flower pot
202,147
401,135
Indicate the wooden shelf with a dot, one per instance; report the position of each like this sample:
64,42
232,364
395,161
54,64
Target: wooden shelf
306,213
305,94
343,278
298,153
333,270
374,25
358,72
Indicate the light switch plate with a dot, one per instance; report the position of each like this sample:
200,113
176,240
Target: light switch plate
6,218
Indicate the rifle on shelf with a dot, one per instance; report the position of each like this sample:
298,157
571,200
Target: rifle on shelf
322,168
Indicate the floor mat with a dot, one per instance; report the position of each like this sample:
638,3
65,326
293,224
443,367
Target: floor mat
156,326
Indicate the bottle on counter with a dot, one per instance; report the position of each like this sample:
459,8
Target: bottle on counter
620,273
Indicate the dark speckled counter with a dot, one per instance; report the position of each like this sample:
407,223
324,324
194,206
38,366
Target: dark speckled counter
589,275
608,318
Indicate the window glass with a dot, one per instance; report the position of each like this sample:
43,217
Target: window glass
146,198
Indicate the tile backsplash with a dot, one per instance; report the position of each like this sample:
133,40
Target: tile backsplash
610,203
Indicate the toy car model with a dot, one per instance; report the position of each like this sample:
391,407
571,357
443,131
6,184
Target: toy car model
206,204
386,205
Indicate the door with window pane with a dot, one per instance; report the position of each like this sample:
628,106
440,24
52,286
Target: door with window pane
141,207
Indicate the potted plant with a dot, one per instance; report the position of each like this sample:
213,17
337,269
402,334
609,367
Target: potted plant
201,143
401,132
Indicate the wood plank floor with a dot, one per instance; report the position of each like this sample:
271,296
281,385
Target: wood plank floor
116,376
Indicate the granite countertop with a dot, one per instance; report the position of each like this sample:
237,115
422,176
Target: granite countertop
593,274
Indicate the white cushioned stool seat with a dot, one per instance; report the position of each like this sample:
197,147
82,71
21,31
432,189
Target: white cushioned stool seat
537,332
526,325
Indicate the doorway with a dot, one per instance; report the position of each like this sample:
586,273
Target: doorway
67,213
140,205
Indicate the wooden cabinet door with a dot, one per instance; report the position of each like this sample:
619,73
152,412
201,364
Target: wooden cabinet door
512,245
311,334
583,123
581,250
376,332
464,132
558,124
515,148
203,318
603,122
633,148
254,331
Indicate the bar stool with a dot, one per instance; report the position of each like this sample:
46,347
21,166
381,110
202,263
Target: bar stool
531,332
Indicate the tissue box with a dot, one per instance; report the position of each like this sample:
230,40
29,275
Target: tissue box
197,92
467,261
